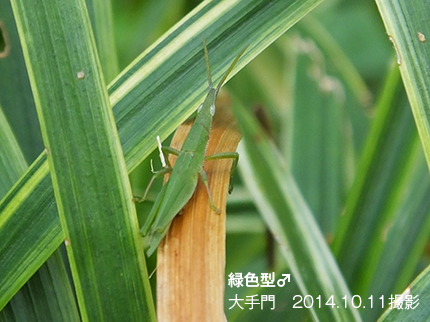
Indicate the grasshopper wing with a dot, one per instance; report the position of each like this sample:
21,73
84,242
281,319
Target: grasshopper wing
174,195
154,210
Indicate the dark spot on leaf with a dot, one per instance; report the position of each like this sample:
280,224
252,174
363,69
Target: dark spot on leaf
263,118
4,41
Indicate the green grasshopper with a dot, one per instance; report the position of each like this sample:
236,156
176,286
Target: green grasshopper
178,190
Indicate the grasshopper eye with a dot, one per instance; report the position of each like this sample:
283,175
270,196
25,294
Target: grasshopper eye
199,108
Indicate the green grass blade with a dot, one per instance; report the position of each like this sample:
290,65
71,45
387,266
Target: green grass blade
151,97
19,108
12,162
350,76
407,25
291,222
137,26
358,97
261,22
317,136
418,294
48,295
100,12
27,239
88,172
380,238
374,178
394,260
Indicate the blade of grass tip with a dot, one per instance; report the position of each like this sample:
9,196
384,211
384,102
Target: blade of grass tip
160,89
292,223
85,160
407,27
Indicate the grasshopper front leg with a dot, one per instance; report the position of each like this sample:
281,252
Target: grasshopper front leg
156,174
167,168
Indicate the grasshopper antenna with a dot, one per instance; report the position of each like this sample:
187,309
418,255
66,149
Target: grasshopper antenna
208,70
230,69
